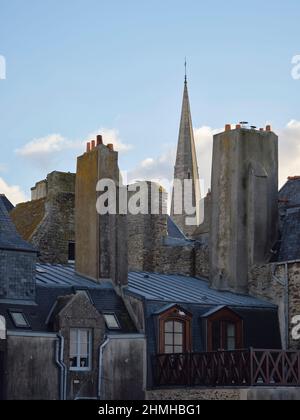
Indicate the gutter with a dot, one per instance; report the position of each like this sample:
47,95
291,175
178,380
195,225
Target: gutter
100,376
63,369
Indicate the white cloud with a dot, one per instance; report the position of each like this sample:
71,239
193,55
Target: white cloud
111,135
161,168
46,150
12,192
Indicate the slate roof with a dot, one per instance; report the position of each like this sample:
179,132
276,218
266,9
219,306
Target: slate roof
57,281
289,245
8,205
181,289
9,237
173,230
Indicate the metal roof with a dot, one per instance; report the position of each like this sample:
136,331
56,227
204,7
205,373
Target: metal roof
181,289
49,275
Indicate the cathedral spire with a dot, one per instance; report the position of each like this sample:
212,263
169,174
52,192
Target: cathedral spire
186,167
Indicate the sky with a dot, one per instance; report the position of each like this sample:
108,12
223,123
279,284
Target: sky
75,68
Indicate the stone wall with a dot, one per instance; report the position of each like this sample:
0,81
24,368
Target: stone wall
30,368
280,284
80,313
193,394
124,369
235,394
56,231
48,223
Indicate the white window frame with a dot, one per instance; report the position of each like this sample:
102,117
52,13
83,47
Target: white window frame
78,355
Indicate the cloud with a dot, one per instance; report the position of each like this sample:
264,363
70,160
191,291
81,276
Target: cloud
46,151
12,192
161,168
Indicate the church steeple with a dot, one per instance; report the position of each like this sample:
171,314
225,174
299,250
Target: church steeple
186,167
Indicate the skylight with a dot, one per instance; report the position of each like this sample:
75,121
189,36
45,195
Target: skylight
111,321
19,319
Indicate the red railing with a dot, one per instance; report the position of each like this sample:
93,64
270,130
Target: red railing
228,368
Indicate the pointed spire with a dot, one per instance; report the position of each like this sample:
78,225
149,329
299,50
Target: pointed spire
186,166
185,73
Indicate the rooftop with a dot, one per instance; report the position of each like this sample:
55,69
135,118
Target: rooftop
181,289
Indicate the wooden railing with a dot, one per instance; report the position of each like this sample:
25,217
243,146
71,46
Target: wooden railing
228,368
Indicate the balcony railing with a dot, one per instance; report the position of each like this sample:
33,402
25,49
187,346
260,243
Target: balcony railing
228,368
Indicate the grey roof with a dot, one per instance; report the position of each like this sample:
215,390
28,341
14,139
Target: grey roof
8,205
9,237
181,289
174,231
58,281
48,275
289,246
290,236
291,192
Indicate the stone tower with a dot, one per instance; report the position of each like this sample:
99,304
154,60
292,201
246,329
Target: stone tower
244,204
186,168
101,240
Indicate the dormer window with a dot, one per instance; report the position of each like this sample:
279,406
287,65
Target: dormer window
224,330
175,331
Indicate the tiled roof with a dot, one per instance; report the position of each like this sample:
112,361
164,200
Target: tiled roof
181,289
9,238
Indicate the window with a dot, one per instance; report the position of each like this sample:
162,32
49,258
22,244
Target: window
71,252
80,349
111,321
175,331
19,319
174,337
224,331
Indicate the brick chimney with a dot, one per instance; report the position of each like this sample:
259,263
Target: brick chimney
101,240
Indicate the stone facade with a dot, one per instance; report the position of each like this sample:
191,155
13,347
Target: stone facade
244,226
223,394
80,313
280,284
48,222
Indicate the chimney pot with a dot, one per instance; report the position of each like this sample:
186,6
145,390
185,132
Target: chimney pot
227,127
93,144
261,129
238,126
99,140
88,147
110,147
268,128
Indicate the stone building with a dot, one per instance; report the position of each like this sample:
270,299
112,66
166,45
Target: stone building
47,221
63,336
153,308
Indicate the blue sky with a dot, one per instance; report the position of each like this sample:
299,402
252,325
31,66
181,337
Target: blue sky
75,66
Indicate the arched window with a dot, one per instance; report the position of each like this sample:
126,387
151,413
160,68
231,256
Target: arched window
224,330
175,331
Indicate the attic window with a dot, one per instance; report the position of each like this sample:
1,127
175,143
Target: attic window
19,319
112,322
